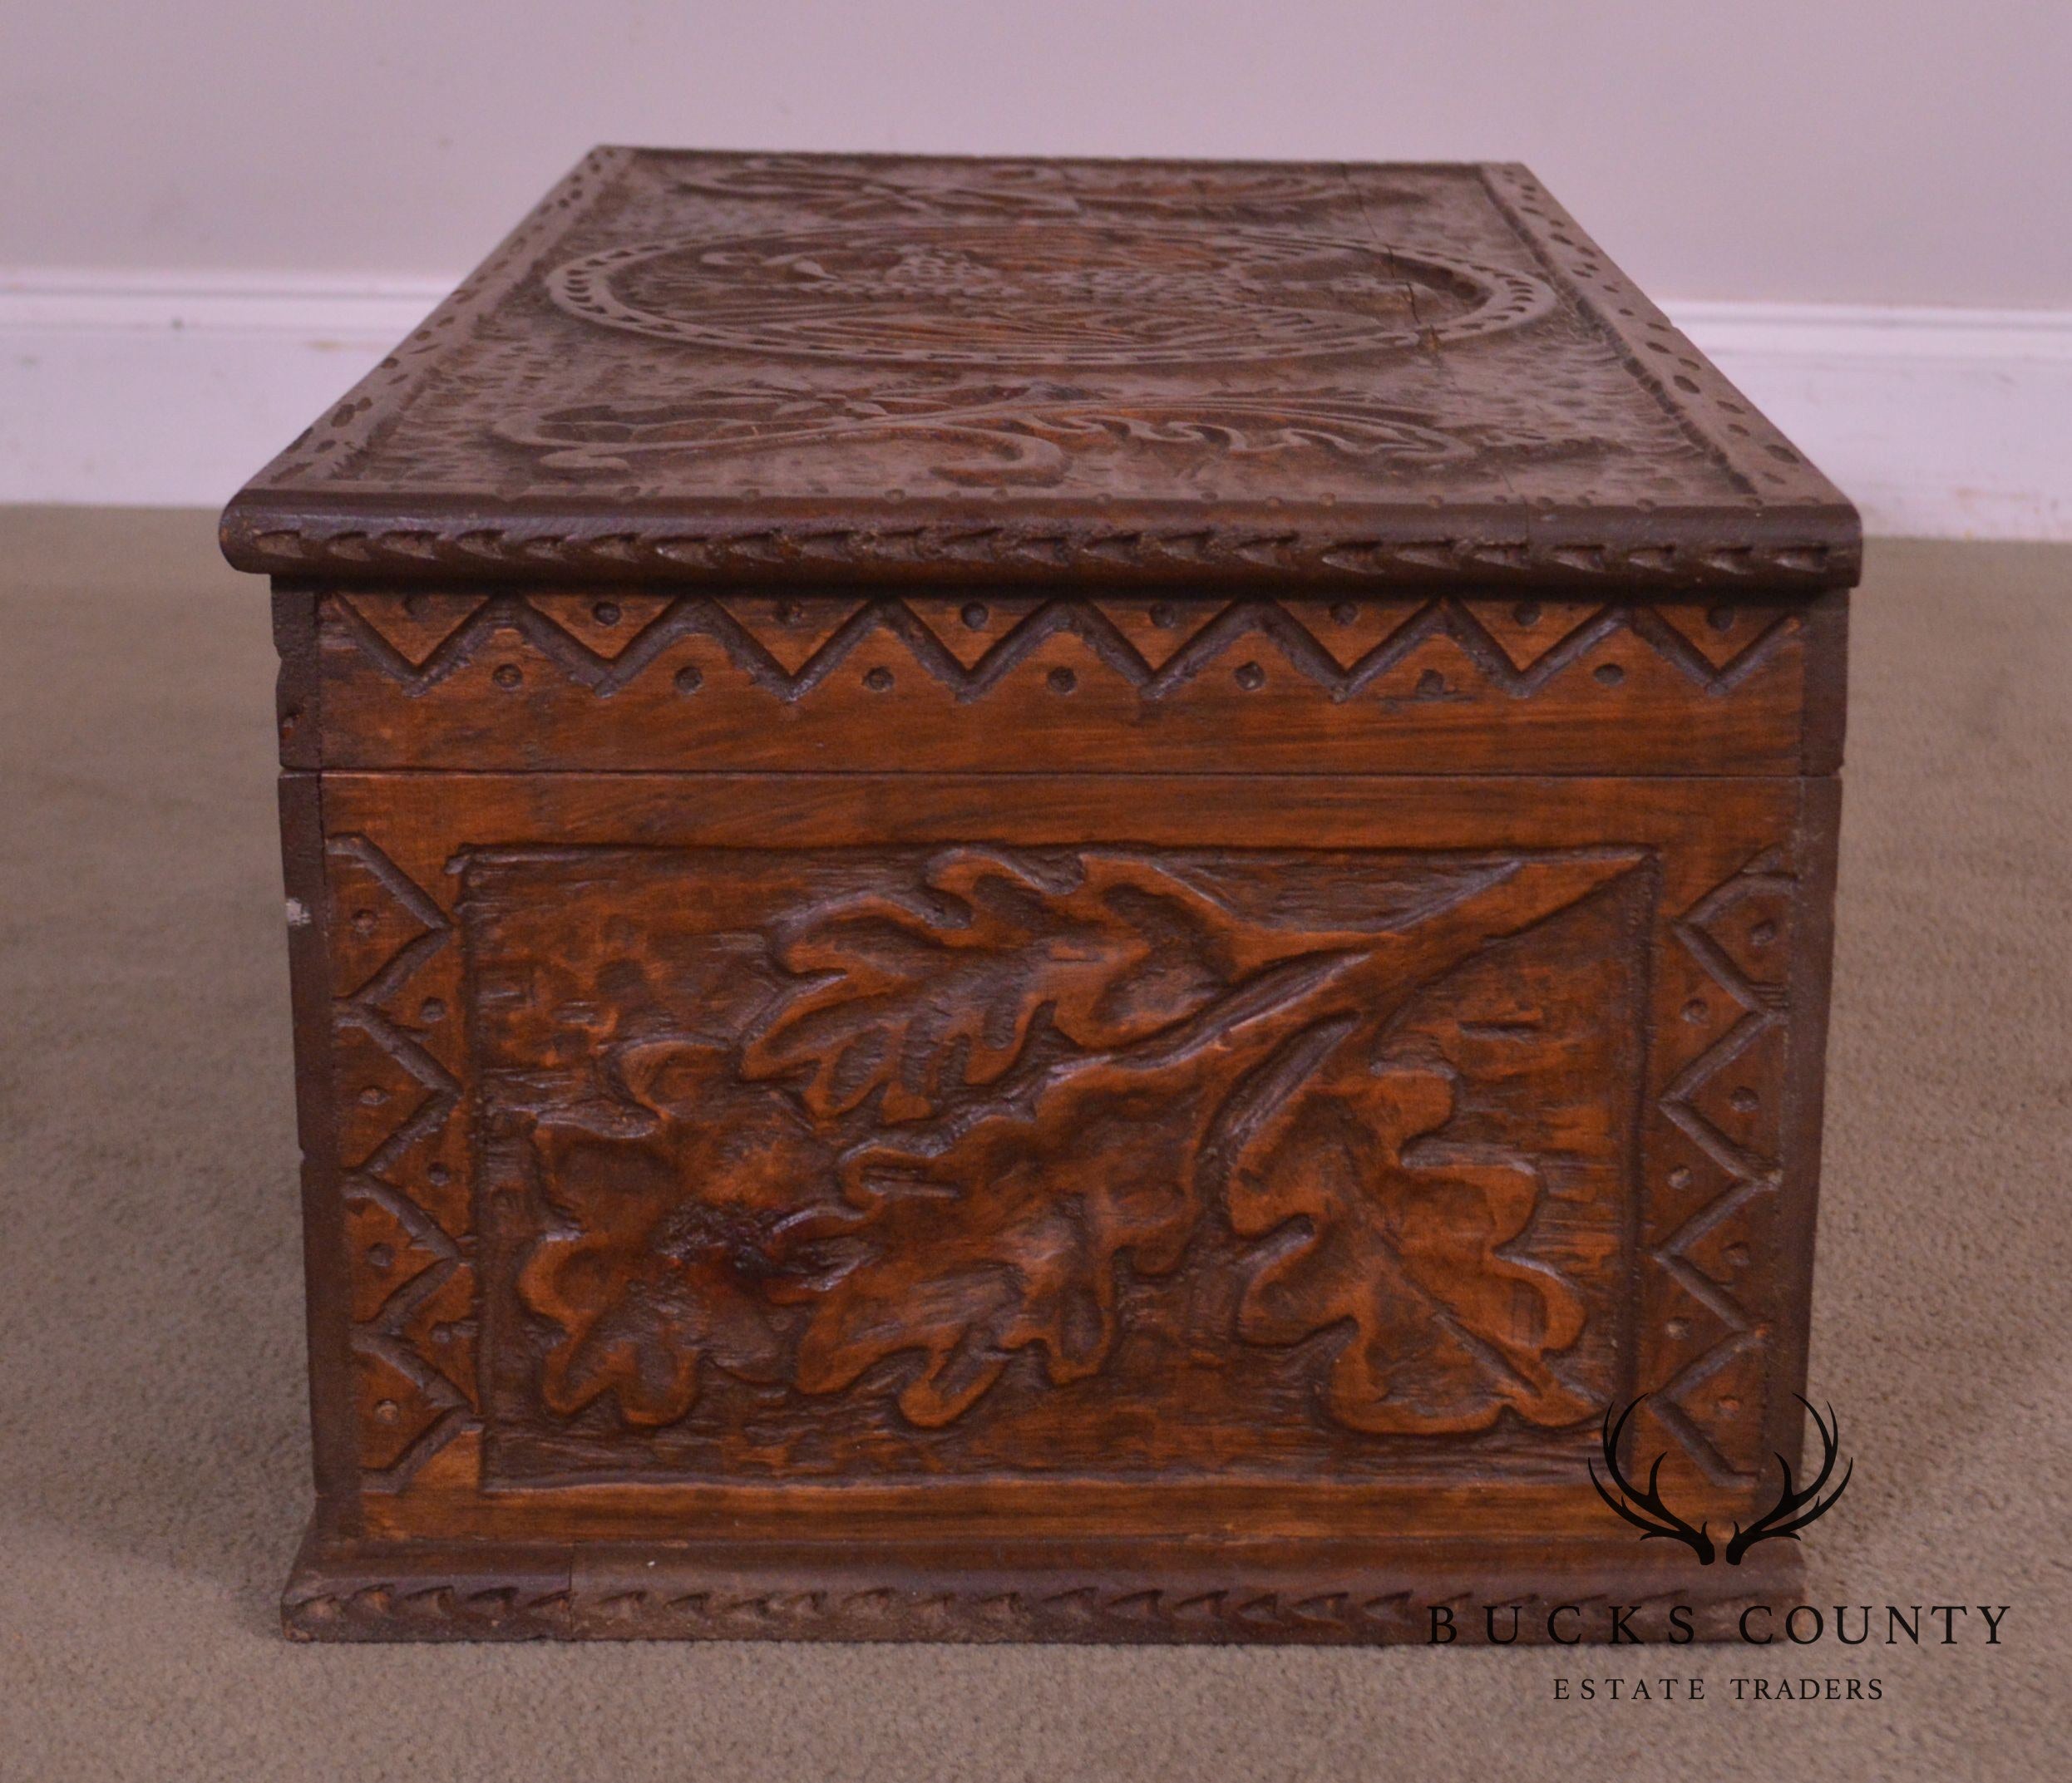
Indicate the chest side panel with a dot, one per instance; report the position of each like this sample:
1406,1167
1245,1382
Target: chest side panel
1319,1149
1061,897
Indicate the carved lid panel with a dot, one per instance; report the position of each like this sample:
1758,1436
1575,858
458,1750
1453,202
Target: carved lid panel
686,365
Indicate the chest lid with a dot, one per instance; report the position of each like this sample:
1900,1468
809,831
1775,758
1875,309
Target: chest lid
683,366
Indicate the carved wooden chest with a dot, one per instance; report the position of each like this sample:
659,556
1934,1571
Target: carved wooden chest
1047,899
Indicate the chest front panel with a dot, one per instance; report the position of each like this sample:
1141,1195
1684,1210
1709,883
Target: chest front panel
1129,1148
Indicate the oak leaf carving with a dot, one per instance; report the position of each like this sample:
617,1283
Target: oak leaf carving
983,1105
1373,1226
918,1000
673,1242
1009,1234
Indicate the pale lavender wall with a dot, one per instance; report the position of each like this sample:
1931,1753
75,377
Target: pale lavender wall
1878,151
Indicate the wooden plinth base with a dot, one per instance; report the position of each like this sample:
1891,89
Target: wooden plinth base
1394,1593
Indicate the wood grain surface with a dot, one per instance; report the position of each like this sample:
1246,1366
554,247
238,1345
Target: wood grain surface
558,681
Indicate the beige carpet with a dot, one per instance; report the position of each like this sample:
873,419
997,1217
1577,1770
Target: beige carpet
152,1473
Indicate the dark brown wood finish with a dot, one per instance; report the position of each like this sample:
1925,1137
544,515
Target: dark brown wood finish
777,367
1047,900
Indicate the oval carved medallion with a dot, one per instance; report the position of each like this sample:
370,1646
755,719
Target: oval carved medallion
1056,292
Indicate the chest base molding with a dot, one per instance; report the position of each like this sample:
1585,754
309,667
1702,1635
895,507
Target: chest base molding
1523,1590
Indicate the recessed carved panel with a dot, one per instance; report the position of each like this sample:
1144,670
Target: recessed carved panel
585,1016
887,1162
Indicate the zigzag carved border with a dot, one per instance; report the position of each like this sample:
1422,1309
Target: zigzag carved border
1750,1174
383,1337
1088,620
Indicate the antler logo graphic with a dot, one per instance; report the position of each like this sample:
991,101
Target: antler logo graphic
1795,1509
1796,1506
1654,1519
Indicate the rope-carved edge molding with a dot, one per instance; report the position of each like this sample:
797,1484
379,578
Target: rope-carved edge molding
430,1607
348,549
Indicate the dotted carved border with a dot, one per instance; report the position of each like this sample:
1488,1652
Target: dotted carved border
1750,1173
415,1386
1743,640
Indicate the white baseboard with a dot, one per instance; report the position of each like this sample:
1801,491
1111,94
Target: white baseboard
1938,423
169,392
